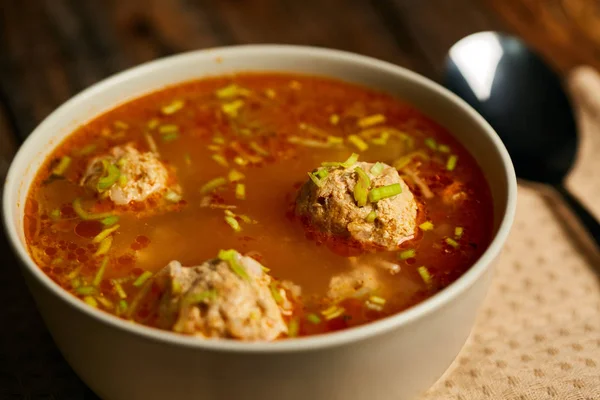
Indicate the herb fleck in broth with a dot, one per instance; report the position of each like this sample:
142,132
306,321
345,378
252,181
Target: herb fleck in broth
236,151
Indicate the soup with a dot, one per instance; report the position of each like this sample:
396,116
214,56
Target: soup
258,207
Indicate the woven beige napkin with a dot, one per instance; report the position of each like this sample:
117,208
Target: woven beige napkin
537,335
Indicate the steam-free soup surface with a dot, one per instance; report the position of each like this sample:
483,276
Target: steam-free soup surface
235,151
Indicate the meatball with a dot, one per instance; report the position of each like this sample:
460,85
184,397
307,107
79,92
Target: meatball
221,298
330,210
140,175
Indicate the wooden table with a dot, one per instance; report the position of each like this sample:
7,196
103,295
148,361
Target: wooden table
51,49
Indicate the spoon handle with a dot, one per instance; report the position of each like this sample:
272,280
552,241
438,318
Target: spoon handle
589,221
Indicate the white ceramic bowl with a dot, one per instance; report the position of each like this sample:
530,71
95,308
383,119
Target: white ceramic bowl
395,358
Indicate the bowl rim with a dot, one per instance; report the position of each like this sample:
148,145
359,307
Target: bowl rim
315,342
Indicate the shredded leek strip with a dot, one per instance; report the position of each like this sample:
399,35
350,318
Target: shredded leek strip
213,184
105,302
232,90
431,143
219,159
119,289
275,293
293,328
100,272
384,192
458,232
153,123
314,318
452,242
403,161
169,137
338,312
108,221
334,140
426,226
55,214
110,176
76,282
442,148
74,273
90,301
173,196
151,143
371,120
361,189
104,246
309,142
406,254
360,144
235,176
377,169
382,140
87,215
334,119
142,278
247,219
231,257
86,290
231,109
315,178
258,149
240,191
425,275
139,296
105,233
371,217
233,223
62,166
168,128
122,307
346,164
199,297
173,107
451,163
377,300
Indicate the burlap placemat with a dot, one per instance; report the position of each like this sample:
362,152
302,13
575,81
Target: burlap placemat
538,334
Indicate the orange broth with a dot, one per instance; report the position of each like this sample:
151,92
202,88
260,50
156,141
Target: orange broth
274,108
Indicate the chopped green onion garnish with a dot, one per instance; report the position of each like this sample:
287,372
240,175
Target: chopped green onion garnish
100,272
235,176
172,108
104,246
333,312
316,180
231,109
314,318
310,142
86,290
169,137
153,123
219,159
371,217
119,289
169,128
451,163
442,148
62,166
213,184
120,125
293,328
425,275
382,140
240,191
233,223
346,164
231,256
55,214
377,300
241,161
361,189
406,254
74,273
108,221
426,226
139,296
384,192
173,196
86,215
458,231
142,278
259,150
122,180
110,176
232,90
247,219
430,142
334,140
201,297
275,293
377,169
321,173
90,301
104,234
360,144
452,242
371,120
106,303
122,307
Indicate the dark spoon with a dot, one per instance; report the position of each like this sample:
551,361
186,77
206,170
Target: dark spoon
524,101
